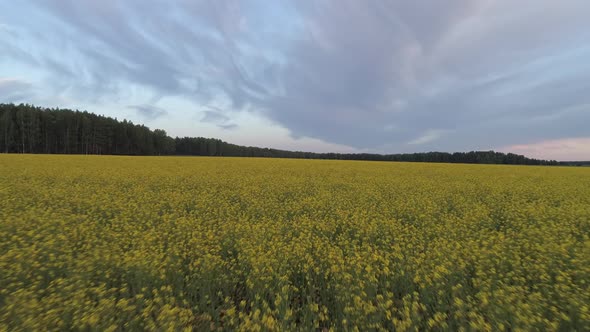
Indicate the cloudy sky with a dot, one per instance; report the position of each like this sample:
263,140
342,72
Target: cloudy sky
381,76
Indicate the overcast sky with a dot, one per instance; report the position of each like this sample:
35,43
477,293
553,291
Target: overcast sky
342,75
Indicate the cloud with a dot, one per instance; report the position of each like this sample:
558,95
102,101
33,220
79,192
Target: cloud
230,126
218,118
475,68
149,112
428,136
14,90
366,74
568,149
214,117
182,48
12,84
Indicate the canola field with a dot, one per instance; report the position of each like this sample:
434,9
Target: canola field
193,243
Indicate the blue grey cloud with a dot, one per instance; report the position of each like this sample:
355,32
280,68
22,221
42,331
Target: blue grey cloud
475,73
14,90
149,112
214,117
217,117
229,126
388,76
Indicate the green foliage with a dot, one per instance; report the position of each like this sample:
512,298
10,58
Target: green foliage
29,129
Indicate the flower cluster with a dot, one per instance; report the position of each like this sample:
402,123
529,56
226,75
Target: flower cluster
182,243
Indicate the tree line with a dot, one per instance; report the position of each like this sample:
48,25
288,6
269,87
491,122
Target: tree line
29,129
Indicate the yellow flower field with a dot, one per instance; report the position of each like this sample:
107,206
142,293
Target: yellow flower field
194,243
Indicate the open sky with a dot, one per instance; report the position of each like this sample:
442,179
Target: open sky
384,76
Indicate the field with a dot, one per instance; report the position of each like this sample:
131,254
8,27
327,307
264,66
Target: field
172,243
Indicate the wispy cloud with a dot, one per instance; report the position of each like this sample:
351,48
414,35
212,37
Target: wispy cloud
428,136
230,126
214,117
494,73
14,90
218,118
149,112
567,149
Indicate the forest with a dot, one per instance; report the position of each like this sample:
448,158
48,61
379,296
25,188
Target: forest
26,128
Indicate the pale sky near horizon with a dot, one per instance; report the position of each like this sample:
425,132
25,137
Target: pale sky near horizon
340,76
